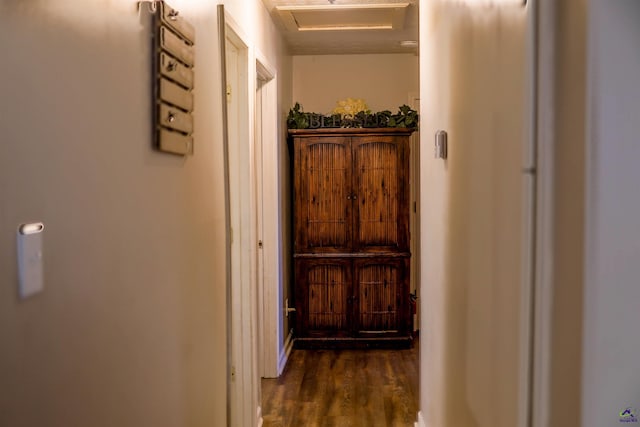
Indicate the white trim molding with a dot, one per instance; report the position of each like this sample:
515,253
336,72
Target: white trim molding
420,422
286,351
259,420
543,294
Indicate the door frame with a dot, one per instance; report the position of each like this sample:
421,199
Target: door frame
542,89
243,389
414,208
268,220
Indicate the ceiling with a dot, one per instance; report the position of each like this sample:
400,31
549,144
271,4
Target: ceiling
331,27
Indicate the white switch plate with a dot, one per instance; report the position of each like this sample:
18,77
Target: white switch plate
30,271
441,144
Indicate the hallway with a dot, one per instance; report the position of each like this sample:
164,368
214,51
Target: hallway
131,328
359,388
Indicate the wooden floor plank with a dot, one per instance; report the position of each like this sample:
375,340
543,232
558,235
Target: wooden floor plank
358,388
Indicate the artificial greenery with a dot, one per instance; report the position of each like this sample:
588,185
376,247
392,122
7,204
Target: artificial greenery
404,118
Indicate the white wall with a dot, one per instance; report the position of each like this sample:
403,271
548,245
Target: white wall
130,329
473,85
611,340
383,81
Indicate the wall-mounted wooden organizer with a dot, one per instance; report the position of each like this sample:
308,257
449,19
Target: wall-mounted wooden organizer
173,58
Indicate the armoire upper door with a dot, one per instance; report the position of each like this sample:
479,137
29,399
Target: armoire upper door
323,195
381,193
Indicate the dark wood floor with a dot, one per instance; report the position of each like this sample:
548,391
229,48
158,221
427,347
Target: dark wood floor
359,388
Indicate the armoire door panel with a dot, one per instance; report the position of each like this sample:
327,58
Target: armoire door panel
380,189
323,195
325,299
380,286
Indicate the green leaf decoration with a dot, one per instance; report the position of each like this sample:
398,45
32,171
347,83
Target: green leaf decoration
404,118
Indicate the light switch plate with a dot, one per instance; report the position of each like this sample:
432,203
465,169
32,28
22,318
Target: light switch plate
30,271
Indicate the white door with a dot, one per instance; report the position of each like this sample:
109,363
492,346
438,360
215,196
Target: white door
244,380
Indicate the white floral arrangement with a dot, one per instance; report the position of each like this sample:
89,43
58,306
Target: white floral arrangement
348,108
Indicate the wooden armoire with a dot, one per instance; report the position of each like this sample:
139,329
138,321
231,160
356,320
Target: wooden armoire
351,237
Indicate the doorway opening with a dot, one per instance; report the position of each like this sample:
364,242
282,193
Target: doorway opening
268,222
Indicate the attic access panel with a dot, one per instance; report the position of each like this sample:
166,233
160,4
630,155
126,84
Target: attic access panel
386,16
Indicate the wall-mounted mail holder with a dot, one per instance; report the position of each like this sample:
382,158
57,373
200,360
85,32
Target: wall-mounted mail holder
173,55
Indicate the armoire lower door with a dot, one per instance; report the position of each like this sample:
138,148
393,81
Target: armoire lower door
324,297
382,295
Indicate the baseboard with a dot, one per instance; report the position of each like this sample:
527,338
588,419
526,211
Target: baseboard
259,419
398,342
286,351
420,422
